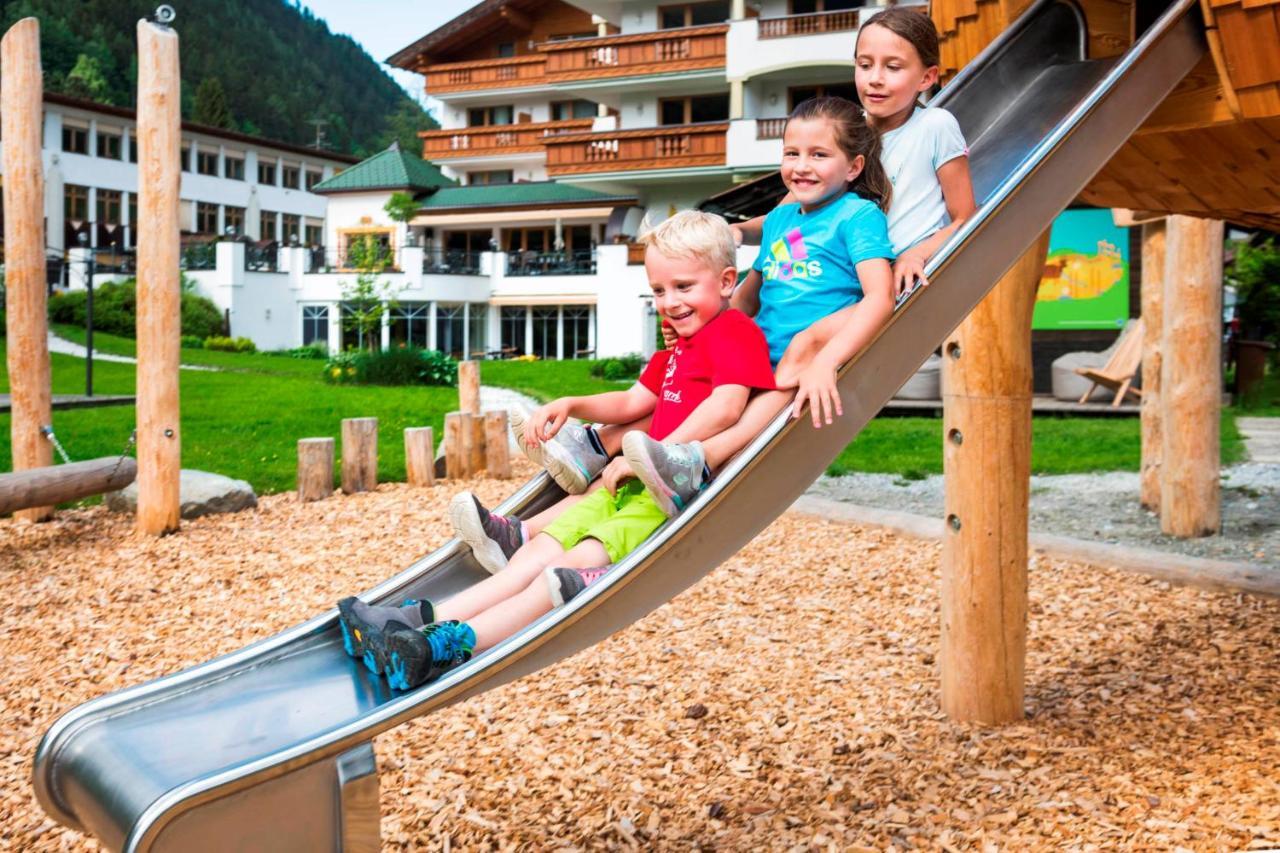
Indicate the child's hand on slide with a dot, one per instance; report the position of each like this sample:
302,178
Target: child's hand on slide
544,423
907,269
817,387
616,473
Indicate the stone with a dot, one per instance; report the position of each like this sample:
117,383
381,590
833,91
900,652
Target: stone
200,493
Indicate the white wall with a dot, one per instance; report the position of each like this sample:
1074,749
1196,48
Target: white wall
748,55
623,322
347,210
743,149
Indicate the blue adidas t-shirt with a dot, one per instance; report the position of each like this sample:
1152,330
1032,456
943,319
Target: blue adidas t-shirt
808,262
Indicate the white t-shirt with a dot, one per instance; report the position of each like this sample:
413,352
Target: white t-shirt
911,154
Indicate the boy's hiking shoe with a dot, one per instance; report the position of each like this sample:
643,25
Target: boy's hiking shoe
565,584
518,417
493,538
364,627
416,656
673,474
572,460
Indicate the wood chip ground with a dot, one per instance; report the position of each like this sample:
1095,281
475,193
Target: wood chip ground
787,702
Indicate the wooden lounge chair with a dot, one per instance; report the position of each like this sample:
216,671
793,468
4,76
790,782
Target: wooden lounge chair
1120,369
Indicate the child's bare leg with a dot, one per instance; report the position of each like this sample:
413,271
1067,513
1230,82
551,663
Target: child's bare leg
513,612
525,565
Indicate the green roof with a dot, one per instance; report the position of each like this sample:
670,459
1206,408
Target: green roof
518,194
392,169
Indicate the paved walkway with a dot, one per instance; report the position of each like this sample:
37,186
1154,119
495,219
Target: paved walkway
66,347
1261,438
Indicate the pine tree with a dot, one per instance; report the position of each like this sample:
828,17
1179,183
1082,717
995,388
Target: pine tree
86,80
211,105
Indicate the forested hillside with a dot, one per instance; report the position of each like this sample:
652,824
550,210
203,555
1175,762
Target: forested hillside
264,67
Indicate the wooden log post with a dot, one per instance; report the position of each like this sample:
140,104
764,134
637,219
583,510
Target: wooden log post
987,460
457,433
469,387
420,456
359,454
497,446
1153,270
159,289
315,468
59,483
21,105
476,456
1191,378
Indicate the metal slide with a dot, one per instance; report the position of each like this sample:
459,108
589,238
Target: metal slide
269,748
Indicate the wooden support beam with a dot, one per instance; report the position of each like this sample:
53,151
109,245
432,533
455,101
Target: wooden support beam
315,468
469,387
21,104
987,460
1191,378
359,454
497,446
1153,270
420,456
59,483
159,289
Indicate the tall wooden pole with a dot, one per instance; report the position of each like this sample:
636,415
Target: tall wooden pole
159,135
21,102
1191,378
987,464
1153,269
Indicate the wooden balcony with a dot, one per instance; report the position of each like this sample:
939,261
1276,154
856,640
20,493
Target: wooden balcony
496,139
808,25
660,52
509,73
676,147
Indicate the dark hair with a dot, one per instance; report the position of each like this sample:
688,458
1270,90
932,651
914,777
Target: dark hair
916,27
855,138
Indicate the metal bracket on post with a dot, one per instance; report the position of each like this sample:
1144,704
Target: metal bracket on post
361,830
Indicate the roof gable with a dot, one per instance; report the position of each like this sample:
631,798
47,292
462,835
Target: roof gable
391,169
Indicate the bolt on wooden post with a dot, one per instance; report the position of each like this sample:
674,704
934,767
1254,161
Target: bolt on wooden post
21,103
159,139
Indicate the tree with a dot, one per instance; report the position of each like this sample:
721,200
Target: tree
368,299
211,105
403,124
86,80
401,207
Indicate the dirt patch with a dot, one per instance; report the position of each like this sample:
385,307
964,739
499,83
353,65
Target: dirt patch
787,701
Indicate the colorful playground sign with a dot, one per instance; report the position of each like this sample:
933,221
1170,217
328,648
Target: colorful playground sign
1086,275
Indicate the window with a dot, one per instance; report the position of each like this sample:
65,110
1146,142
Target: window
109,145
506,49
479,326
808,7
485,116
267,173
467,241
408,324
233,220
185,154
206,218
693,14
131,237
207,162
315,234
530,239
133,148
449,325
75,205
512,324
315,324
577,328
498,176
75,140
233,168
109,207
797,95
544,331
313,178
290,227
267,226
563,110
290,177
695,109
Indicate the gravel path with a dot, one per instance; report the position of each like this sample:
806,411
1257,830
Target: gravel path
1103,508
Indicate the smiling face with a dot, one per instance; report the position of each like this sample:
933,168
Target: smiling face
889,76
814,167
687,292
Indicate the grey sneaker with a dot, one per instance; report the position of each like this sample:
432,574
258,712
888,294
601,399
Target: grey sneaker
672,473
493,538
565,584
518,418
364,626
571,460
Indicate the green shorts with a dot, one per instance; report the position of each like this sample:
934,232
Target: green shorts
621,522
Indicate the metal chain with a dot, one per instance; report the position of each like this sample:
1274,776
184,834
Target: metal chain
48,433
124,452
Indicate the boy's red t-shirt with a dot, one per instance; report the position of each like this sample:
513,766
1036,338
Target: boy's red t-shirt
729,350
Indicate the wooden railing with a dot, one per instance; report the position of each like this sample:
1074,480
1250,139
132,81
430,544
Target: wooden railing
508,73
659,52
770,128
675,147
806,25
496,138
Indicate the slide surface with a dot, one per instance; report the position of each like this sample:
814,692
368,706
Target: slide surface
220,742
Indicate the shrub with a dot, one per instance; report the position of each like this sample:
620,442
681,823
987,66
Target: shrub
216,342
191,342
401,366
310,351
115,310
1256,276
623,367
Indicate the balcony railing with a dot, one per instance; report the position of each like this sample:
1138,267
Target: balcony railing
582,262
451,262
198,256
675,147
660,52
495,138
508,73
262,258
770,128
807,25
